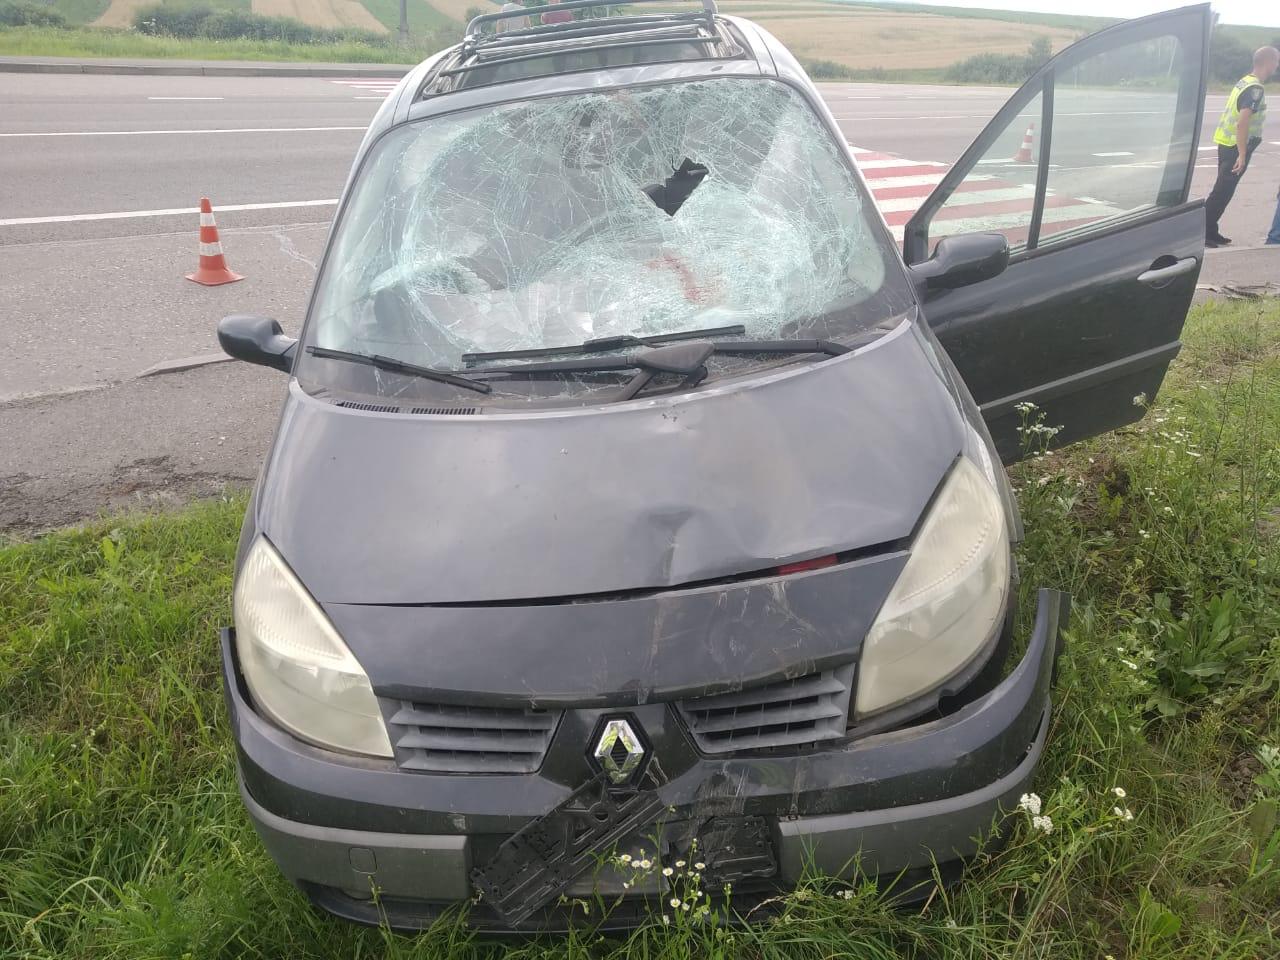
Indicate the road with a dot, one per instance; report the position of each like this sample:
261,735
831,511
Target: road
96,233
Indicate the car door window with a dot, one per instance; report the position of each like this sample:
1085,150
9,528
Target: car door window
1119,144
998,193
1102,136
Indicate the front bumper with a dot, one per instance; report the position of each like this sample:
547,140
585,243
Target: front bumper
884,805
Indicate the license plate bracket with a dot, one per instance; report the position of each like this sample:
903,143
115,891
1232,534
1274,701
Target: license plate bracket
541,861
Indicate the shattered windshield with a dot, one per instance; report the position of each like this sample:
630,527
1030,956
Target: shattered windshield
638,211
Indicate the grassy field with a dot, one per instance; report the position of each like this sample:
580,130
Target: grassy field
81,11
838,39
32,41
122,836
423,17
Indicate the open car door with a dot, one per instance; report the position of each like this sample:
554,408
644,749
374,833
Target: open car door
1086,171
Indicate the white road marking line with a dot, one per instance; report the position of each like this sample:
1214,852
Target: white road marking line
368,98
150,133
896,162
1117,153
186,98
966,198
858,116
1203,149
924,180
139,214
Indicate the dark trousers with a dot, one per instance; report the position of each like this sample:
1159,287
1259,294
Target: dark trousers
1224,188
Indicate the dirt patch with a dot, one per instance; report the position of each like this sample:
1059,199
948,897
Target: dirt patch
864,41
29,506
120,13
333,14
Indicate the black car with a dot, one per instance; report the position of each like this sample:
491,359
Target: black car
636,503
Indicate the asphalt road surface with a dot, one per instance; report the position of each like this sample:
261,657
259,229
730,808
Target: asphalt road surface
100,177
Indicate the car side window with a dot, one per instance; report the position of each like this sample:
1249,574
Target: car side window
1119,144
1103,135
998,192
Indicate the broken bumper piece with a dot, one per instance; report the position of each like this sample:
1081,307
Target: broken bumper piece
889,805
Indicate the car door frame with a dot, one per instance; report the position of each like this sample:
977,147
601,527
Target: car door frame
916,233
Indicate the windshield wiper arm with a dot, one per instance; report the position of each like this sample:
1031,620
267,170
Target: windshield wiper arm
607,343
392,365
683,359
666,360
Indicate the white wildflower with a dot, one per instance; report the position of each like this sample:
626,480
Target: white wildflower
1124,813
625,858
1119,792
699,865
1042,823
667,871
666,920
675,902
679,863
645,864
1030,802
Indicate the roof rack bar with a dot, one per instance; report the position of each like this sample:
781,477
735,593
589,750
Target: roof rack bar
499,61
473,28
587,28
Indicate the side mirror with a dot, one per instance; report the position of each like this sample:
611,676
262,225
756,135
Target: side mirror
960,261
256,340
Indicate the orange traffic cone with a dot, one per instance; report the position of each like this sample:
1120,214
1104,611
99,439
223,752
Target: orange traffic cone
213,265
1024,152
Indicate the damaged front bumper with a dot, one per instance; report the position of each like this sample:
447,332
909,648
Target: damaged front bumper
885,805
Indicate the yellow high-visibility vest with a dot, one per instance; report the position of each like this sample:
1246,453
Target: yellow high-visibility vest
1226,133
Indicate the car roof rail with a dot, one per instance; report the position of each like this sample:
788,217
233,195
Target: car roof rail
476,38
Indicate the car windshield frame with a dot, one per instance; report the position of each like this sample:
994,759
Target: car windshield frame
851,310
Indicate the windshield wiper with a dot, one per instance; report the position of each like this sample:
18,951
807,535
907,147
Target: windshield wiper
392,365
683,359
607,343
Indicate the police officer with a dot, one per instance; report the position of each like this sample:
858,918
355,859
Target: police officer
1239,133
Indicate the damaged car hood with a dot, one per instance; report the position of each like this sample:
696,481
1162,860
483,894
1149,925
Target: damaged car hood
378,508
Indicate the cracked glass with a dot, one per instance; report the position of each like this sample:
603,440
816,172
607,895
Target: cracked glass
636,211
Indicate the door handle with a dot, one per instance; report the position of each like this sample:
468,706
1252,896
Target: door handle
1158,277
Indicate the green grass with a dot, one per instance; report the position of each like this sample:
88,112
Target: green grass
30,41
81,11
423,18
121,834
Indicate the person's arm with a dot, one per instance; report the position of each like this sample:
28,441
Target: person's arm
1242,139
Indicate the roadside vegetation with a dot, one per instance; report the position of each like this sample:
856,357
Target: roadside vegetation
1152,834
834,39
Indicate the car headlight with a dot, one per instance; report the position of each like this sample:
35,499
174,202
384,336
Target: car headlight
298,669
947,601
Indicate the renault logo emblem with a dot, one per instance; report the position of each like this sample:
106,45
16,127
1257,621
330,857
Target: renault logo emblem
619,751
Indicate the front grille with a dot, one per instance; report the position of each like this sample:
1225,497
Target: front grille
441,738
785,713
